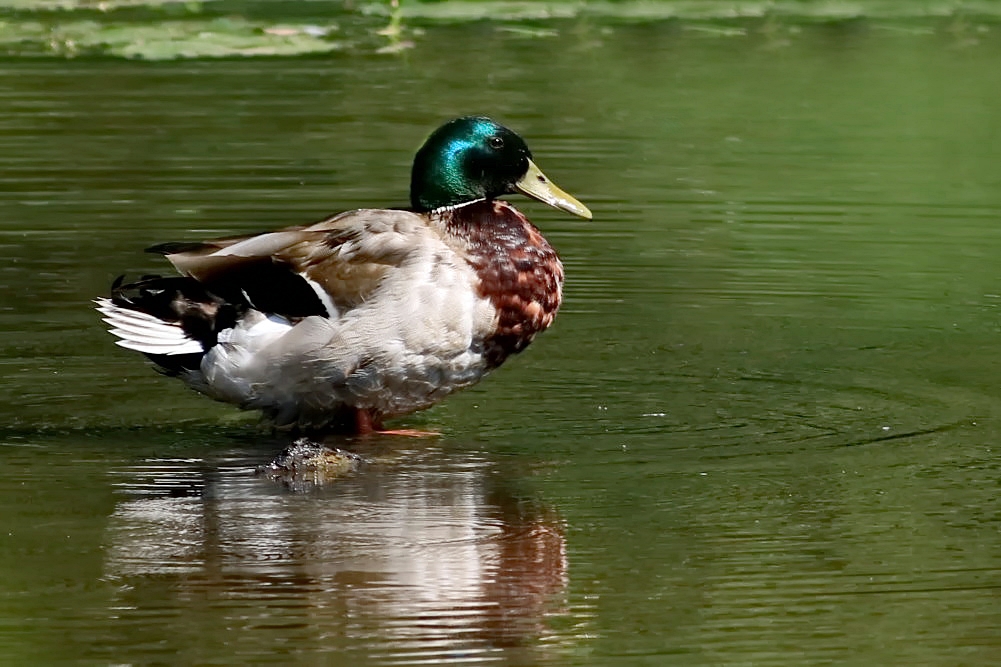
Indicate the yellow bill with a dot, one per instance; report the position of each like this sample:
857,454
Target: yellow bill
536,185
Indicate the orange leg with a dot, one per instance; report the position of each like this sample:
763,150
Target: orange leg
367,423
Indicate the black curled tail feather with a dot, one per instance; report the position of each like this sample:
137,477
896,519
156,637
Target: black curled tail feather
180,300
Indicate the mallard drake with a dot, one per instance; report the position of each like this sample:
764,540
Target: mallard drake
368,314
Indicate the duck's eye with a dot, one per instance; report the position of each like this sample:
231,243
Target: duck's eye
496,143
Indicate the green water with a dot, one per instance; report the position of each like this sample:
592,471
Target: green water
763,429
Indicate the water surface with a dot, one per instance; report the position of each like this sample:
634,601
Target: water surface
761,431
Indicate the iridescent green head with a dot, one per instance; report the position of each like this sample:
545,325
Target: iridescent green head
473,158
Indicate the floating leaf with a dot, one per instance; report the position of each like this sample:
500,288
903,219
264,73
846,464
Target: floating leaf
167,39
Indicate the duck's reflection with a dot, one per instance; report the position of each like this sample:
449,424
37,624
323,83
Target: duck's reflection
432,553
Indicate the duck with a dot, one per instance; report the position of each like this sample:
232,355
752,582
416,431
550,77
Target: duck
366,315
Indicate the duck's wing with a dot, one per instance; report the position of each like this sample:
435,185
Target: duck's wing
324,268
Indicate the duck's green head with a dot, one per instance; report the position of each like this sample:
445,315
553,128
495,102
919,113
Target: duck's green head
474,158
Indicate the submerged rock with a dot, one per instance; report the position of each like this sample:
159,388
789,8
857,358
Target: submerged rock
305,464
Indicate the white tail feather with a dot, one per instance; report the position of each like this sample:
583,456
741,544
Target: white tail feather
145,333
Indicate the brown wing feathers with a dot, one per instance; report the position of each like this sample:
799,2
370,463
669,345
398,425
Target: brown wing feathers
278,272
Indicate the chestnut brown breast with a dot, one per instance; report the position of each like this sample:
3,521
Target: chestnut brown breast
519,272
